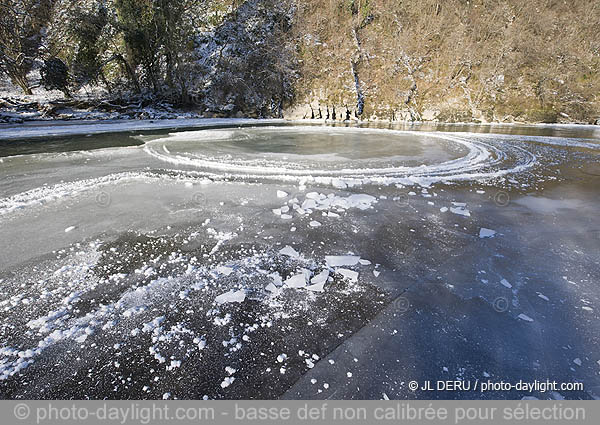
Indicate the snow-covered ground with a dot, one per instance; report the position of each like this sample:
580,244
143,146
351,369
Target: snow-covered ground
294,261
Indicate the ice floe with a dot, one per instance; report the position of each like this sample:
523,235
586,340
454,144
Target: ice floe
342,260
460,210
231,297
296,281
486,233
348,274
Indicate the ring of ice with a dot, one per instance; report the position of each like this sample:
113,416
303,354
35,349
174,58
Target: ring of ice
480,160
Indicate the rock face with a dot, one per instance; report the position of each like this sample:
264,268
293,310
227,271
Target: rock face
449,61
247,64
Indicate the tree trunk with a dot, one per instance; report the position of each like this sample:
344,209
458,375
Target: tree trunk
130,72
22,82
105,81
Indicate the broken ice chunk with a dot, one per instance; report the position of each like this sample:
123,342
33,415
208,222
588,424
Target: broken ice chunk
231,297
81,339
281,194
321,277
271,288
361,201
227,381
486,233
317,287
315,223
276,278
341,260
348,274
318,282
296,281
289,251
309,204
460,211
525,317
506,283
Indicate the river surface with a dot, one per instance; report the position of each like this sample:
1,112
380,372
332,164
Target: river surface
249,259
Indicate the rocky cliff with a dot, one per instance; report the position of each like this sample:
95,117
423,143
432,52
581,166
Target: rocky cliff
456,60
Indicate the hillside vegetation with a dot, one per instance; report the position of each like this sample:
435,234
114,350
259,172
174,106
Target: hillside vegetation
453,60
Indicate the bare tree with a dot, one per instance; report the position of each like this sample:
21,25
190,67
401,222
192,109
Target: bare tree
21,23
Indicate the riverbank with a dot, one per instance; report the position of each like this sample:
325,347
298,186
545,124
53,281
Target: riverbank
16,110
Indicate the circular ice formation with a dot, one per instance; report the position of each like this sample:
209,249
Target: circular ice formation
355,155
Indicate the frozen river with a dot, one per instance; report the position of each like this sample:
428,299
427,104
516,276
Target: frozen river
242,259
